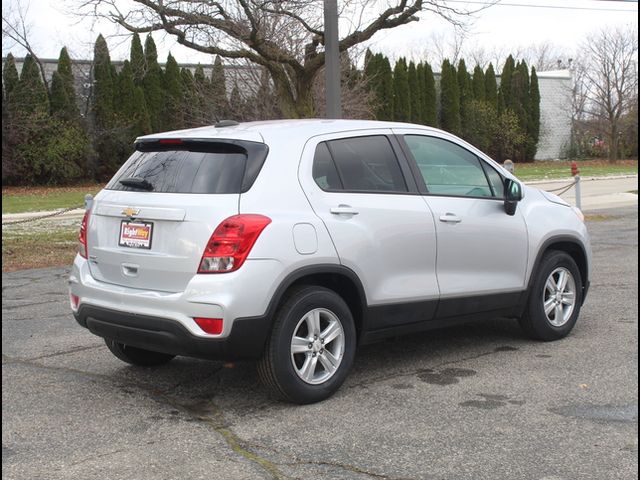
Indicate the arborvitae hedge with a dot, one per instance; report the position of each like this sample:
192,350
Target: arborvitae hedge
153,85
465,90
533,125
137,59
469,105
449,99
66,76
173,115
505,98
103,92
491,87
415,93
219,89
380,83
30,94
401,95
10,76
478,84
59,100
45,139
430,108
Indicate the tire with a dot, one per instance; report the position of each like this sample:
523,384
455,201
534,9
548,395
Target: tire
137,356
557,323
283,371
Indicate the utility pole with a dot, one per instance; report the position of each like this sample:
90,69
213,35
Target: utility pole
332,59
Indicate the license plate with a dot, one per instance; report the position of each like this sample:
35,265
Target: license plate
135,234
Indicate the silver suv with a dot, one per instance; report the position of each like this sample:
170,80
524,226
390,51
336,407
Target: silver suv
293,242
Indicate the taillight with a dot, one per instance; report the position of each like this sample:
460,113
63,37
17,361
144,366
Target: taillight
82,236
231,243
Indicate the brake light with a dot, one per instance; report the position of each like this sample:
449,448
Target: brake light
170,141
231,243
210,325
82,236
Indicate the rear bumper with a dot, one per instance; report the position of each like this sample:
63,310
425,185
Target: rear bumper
245,341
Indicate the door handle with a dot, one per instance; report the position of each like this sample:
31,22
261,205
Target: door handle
344,210
450,218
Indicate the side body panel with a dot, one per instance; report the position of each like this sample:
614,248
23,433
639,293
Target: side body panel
389,242
481,249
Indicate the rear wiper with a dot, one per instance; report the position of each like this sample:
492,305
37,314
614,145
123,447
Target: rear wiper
137,182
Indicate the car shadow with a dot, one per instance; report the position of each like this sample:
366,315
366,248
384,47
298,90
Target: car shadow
208,387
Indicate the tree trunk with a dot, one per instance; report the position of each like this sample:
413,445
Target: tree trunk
300,104
295,93
613,143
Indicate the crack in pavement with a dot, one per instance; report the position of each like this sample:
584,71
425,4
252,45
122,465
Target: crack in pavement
214,418
216,423
347,467
344,466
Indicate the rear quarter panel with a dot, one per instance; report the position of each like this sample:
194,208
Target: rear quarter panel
277,194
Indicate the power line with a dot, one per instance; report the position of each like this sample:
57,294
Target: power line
531,5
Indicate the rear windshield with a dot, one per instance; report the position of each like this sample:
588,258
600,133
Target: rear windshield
189,171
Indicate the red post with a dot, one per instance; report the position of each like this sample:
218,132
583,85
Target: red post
574,169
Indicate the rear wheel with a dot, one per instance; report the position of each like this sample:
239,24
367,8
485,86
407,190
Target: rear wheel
311,348
555,299
137,356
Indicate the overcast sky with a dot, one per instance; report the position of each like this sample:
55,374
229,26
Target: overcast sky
510,23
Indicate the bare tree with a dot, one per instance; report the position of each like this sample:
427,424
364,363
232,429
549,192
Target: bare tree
608,70
441,46
286,37
16,29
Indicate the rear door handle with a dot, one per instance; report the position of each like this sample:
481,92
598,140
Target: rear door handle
450,218
344,210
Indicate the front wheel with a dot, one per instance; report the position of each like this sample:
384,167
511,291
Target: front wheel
312,346
137,356
555,299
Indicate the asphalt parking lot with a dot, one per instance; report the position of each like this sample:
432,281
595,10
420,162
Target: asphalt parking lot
473,402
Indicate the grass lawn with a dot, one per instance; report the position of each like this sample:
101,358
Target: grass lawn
562,169
35,247
34,199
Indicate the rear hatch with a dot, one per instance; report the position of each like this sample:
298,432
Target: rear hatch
150,225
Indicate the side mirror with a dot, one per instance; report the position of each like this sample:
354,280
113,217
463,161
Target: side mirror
512,195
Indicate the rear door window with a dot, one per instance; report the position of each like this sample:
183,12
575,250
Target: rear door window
367,164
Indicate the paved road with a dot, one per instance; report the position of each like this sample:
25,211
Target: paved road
476,402
598,193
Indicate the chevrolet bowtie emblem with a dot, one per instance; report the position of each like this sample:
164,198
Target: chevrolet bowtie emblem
131,212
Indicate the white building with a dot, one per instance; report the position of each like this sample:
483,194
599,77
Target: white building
555,114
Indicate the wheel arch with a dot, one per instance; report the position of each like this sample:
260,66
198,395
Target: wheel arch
338,278
571,246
